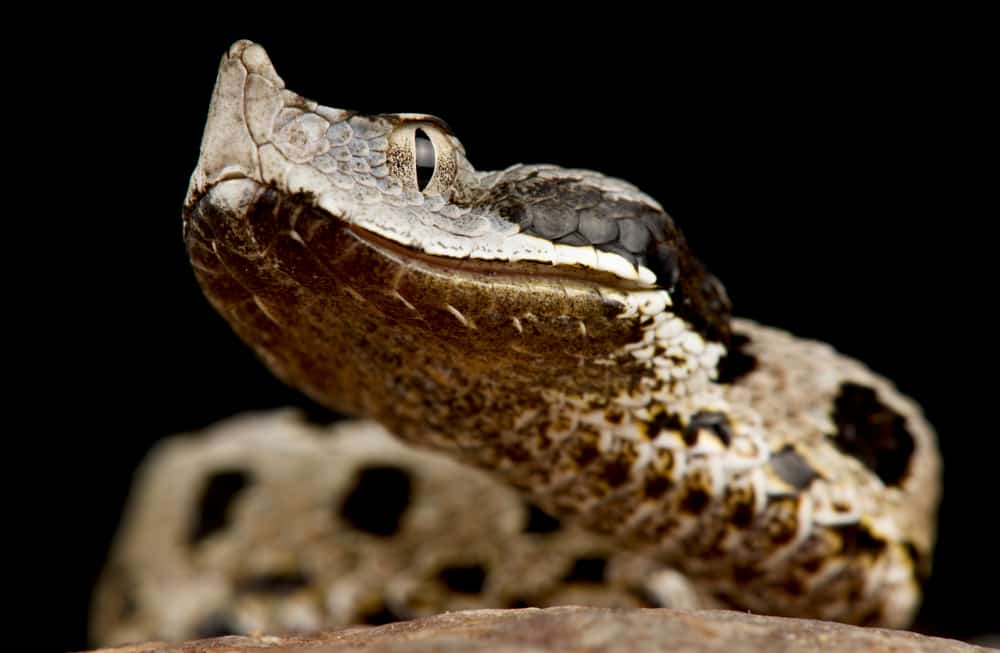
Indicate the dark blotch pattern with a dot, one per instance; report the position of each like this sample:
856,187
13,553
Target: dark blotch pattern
585,453
221,490
743,515
616,472
540,521
569,211
217,624
656,486
464,579
717,423
587,570
380,497
317,414
793,587
921,563
380,615
695,501
872,432
276,584
663,421
857,539
792,468
736,362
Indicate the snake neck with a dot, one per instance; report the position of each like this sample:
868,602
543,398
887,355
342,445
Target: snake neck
457,358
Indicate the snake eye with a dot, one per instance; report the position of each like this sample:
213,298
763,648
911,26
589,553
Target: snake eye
422,157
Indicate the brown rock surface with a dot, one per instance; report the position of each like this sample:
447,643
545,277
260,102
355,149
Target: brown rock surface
567,629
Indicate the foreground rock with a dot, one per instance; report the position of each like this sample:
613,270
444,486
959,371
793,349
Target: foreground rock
581,629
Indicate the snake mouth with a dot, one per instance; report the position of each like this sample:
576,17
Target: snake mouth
491,270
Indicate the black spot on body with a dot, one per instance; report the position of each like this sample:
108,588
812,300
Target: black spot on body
742,516
793,587
277,584
872,618
717,423
616,472
464,579
317,414
518,603
812,565
857,539
587,570
745,574
380,615
872,432
736,362
656,486
585,454
217,624
695,501
663,421
781,519
921,563
221,490
540,521
380,497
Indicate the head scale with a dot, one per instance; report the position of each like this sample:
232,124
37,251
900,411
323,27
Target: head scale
341,229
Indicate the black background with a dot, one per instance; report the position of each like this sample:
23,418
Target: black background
820,173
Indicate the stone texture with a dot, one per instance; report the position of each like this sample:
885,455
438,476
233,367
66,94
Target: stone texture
594,630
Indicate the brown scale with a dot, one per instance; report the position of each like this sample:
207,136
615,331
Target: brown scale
436,368
739,506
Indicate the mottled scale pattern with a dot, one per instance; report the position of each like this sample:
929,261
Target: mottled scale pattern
269,523
553,327
567,210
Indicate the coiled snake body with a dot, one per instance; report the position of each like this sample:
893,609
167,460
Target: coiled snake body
553,327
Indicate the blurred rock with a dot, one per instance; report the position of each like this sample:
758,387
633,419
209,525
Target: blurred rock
594,630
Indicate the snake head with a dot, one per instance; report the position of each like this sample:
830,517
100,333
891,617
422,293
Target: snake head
371,265
403,181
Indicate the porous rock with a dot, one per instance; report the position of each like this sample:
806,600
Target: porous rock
566,629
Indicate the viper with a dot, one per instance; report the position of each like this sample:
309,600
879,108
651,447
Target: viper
554,327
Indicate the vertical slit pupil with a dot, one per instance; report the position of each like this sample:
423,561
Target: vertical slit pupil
423,150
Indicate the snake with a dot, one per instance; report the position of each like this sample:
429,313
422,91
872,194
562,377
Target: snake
553,327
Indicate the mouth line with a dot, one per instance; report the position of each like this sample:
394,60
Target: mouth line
486,270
